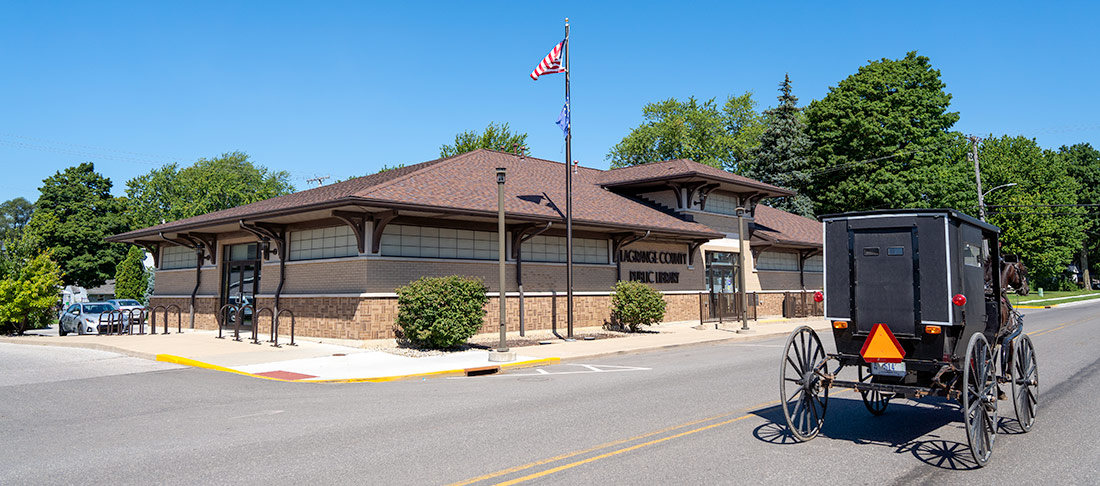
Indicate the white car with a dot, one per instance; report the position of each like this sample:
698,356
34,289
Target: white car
84,318
126,306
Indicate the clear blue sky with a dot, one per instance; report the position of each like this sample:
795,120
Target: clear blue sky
340,89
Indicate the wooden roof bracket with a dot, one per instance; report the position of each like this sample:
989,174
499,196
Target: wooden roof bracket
623,240
751,201
380,220
703,191
692,248
267,233
521,234
207,241
152,247
357,222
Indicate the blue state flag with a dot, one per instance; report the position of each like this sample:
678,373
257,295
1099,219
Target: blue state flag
563,119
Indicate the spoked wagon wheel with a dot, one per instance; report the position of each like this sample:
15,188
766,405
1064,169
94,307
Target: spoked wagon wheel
801,392
874,400
979,399
1025,382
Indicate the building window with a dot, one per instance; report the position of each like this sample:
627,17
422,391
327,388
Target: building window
177,257
815,264
771,260
722,204
332,242
552,249
426,242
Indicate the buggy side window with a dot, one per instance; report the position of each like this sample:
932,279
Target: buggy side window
972,255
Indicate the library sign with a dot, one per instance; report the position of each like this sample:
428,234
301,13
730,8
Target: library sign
654,258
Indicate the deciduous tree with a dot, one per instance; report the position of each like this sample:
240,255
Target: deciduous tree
14,215
229,180
1083,163
882,139
30,288
1046,238
496,137
700,131
74,213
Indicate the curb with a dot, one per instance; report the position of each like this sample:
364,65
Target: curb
92,346
1035,306
168,358
735,337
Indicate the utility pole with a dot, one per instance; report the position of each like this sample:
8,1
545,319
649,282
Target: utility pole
977,174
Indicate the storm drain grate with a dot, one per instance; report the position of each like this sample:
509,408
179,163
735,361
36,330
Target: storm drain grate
484,370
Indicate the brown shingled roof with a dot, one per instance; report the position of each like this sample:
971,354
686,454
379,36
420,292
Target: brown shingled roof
535,189
781,227
681,168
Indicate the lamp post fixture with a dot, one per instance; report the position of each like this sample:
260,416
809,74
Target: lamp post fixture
741,248
981,210
501,353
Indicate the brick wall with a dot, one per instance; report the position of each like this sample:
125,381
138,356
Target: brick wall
374,317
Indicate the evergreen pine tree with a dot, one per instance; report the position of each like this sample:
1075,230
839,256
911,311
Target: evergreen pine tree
131,279
781,158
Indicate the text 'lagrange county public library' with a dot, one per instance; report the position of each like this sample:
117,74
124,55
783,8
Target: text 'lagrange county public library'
335,254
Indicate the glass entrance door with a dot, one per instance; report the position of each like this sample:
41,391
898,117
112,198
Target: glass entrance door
241,280
722,282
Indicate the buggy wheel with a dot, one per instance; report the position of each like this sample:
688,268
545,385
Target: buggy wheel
979,399
801,392
1025,382
874,400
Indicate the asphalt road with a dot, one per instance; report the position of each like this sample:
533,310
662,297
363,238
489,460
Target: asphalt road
699,414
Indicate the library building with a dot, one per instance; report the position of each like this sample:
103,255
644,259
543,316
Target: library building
335,254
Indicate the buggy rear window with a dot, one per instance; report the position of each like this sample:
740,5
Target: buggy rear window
895,251
870,251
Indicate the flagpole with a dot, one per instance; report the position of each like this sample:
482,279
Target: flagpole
568,193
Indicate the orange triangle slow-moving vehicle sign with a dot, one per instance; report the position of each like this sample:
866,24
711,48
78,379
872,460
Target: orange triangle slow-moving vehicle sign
881,346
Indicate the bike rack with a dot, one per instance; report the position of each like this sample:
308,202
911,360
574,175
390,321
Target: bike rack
111,315
140,320
277,317
179,319
256,324
239,316
153,320
223,315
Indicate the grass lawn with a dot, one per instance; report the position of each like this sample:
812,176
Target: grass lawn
1033,297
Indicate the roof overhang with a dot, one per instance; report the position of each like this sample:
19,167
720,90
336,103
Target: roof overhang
324,210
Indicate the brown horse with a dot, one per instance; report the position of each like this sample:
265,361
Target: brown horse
1013,275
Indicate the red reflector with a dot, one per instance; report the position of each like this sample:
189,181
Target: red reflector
818,296
959,300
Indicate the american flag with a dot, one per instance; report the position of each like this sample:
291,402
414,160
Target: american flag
551,63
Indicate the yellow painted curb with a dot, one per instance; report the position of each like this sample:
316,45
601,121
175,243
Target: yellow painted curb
1034,306
168,358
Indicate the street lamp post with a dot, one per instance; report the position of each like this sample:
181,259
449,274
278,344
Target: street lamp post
742,247
501,353
981,210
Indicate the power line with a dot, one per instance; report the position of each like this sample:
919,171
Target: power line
1082,205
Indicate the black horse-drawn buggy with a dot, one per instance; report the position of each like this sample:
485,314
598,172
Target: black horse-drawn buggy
915,311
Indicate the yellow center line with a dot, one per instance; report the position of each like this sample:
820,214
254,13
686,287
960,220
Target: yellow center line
1040,333
620,451
567,455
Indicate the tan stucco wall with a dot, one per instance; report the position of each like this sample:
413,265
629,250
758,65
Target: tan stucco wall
785,280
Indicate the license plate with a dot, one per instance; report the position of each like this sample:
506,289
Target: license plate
888,369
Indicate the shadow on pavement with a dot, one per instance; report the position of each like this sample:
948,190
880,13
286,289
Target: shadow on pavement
906,427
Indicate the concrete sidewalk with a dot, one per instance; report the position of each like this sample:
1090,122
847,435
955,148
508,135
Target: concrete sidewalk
331,360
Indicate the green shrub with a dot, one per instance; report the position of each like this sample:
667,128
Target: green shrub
441,312
634,304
